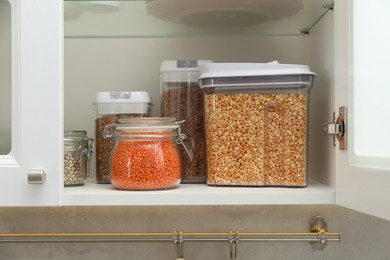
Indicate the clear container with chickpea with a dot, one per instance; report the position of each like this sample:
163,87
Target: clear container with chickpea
256,123
145,155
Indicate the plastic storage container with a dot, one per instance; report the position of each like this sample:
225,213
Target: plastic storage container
145,155
77,157
256,123
182,98
109,108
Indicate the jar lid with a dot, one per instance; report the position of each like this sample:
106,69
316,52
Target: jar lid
145,127
181,70
73,139
147,120
122,97
74,134
181,65
147,124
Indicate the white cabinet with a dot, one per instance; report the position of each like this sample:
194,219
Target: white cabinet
361,180
41,107
37,105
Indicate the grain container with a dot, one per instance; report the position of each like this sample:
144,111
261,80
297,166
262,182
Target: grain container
77,157
145,155
109,108
256,123
182,98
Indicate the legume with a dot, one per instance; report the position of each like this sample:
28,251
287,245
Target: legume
256,139
145,164
72,170
104,146
186,103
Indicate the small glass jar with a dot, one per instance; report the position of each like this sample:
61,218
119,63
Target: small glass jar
77,157
145,155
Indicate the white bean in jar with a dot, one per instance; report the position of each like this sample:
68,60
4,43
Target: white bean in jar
72,176
77,157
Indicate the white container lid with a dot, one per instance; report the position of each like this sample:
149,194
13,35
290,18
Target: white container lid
226,70
255,76
181,70
122,97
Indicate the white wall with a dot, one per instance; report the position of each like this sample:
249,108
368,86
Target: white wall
320,57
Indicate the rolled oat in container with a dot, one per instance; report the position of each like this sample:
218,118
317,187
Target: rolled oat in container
256,123
109,108
182,98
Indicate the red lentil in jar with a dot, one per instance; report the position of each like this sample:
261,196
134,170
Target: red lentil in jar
145,156
110,107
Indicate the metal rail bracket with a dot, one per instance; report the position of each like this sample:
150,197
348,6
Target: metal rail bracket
319,225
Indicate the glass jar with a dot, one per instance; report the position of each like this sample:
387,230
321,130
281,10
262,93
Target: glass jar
182,98
145,155
77,157
109,108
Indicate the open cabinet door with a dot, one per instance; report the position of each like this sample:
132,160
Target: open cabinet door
31,170
363,84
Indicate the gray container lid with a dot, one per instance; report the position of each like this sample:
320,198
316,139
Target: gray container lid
237,74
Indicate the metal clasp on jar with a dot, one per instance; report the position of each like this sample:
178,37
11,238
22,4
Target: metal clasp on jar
84,152
180,139
109,130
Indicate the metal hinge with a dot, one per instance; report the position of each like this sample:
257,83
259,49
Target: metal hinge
337,128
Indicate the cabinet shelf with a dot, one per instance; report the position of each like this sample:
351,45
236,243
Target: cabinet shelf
199,194
165,19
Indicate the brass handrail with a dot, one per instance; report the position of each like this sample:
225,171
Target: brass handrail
318,237
166,236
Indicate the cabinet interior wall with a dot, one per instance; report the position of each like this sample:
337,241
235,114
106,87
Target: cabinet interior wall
129,64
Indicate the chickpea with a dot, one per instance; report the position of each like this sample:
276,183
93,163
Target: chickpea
256,139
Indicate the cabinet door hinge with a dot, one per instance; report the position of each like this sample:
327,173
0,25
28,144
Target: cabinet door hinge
338,128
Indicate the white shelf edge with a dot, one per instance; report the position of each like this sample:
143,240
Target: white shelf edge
92,194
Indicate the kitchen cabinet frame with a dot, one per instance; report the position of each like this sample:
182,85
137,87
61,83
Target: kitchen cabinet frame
37,106
38,131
